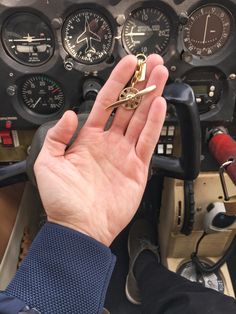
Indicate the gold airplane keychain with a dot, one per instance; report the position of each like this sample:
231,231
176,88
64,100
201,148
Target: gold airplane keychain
130,97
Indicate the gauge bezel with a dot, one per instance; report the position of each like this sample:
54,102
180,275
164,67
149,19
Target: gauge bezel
38,78
219,55
16,3
30,115
198,10
9,53
109,60
131,16
220,77
94,14
168,11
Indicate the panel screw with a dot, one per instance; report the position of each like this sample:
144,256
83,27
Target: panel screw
120,19
11,90
232,76
183,18
57,22
69,64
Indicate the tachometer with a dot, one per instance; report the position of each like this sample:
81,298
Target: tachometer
42,95
147,30
28,39
87,36
207,30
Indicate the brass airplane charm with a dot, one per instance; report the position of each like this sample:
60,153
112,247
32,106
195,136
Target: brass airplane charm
130,97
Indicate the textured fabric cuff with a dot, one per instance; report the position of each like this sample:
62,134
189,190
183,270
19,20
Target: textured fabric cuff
65,272
10,305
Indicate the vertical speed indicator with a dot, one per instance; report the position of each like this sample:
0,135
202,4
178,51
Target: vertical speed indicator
147,30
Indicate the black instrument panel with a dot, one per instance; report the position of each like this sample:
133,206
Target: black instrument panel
56,55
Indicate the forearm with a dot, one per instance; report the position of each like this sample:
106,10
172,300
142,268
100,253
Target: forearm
64,272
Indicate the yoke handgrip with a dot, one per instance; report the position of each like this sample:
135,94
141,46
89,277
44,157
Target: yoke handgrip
187,167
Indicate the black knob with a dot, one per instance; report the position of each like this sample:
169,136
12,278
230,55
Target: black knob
91,88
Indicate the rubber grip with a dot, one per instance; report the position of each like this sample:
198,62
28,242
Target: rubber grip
223,148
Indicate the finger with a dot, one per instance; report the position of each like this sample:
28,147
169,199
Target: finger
110,91
158,77
123,116
60,135
150,134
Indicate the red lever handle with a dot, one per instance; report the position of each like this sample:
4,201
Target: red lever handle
223,148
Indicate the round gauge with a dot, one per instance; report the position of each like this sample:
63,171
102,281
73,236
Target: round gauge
28,39
207,31
87,36
42,95
212,280
147,30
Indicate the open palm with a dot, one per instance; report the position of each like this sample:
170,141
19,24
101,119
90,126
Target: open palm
95,186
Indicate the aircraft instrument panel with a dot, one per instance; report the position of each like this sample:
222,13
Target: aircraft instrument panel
56,55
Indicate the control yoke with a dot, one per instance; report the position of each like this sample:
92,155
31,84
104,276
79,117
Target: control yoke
186,167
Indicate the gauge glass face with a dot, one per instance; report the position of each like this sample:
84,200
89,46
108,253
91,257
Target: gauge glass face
42,95
207,30
28,39
87,36
147,30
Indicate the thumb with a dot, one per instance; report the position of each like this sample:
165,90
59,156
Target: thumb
60,135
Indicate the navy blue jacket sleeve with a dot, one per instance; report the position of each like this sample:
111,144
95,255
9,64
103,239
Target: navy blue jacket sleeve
65,271
10,305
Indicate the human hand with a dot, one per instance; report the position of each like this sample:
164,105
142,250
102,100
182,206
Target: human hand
96,185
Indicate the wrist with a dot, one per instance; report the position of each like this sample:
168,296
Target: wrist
95,233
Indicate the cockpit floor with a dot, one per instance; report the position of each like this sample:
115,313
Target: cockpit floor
9,201
116,301
231,266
